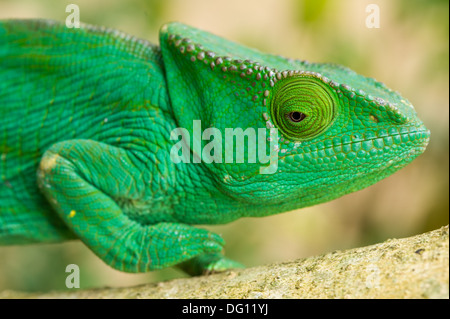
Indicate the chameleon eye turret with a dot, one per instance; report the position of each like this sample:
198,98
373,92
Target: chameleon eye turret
302,107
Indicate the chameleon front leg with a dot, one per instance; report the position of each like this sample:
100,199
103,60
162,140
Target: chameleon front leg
81,179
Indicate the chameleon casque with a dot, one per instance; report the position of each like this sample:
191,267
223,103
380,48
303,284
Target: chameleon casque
86,117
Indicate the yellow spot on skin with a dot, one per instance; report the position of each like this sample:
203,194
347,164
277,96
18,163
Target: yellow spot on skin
47,163
72,213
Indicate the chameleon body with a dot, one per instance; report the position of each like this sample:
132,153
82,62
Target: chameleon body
86,134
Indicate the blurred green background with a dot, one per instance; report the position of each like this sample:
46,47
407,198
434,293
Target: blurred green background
409,52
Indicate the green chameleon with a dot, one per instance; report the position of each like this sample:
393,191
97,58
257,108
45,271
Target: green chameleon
88,148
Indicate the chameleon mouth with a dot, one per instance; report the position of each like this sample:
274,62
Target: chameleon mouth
328,182
354,147
356,152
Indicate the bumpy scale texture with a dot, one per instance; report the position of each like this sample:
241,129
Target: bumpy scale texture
86,133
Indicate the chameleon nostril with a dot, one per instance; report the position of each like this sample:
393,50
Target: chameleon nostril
373,118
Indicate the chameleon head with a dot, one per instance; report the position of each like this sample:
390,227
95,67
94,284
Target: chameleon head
336,131
339,137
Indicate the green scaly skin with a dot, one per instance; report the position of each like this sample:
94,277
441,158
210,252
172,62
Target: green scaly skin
85,122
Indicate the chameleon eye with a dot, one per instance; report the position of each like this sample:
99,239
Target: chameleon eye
302,107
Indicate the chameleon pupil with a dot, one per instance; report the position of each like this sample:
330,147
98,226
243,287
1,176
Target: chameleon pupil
296,116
